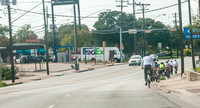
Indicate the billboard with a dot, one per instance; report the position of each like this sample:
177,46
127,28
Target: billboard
63,2
196,34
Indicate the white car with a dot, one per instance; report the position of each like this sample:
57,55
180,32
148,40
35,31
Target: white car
154,57
135,60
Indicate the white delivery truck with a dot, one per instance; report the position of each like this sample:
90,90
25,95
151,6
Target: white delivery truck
100,53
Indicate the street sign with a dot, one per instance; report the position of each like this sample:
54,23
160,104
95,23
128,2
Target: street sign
33,40
63,2
147,31
5,2
187,33
121,46
132,31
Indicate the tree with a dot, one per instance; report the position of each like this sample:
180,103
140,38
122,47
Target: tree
3,31
23,34
107,29
84,38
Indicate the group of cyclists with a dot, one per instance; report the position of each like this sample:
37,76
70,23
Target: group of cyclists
157,70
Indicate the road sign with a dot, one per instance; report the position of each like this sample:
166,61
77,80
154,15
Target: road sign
187,33
147,31
4,2
121,46
63,2
33,40
132,31
104,44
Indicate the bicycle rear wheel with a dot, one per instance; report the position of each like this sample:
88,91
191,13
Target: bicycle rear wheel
148,82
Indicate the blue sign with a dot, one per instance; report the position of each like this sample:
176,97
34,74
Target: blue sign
187,34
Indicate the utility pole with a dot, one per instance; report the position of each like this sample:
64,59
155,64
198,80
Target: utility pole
175,21
143,9
79,14
199,7
191,35
121,44
11,43
75,37
134,24
181,37
8,3
121,30
46,38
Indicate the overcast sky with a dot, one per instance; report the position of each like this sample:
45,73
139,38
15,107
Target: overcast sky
91,8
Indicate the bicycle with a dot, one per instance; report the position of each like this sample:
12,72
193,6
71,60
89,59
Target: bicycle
148,78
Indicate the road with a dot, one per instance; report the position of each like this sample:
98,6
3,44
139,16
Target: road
112,87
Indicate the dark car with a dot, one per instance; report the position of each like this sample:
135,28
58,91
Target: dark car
29,59
160,54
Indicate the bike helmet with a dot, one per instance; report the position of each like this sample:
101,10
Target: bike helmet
147,53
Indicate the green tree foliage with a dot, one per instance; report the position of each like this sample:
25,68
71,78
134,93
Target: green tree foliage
3,31
23,34
84,38
107,29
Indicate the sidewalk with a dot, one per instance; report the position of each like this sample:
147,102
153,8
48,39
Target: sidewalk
188,91
28,73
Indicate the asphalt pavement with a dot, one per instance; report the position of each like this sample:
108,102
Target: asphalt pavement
117,86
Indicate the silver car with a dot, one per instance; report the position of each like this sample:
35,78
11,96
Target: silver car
135,60
154,57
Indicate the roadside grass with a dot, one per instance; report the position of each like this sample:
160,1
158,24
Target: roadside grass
162,78
168,57
198,69
3,84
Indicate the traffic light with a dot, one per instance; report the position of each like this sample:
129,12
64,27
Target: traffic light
104,44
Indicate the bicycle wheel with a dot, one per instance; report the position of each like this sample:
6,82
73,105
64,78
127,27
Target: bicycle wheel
148,83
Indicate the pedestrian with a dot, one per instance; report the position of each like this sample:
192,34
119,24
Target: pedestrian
172,65
175,66
14,58
167,69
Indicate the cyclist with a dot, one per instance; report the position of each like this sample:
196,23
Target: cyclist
155,69
167,69
175,66
161,69
146,64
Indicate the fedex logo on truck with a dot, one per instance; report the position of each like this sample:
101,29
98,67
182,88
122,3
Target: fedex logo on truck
91,51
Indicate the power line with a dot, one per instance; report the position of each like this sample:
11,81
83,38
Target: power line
162,8
26,12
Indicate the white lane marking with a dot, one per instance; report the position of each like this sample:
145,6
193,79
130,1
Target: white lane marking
67,95
51,106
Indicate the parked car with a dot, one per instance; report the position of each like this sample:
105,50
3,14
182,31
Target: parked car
135,60
160,54
44,58
154,57
29,59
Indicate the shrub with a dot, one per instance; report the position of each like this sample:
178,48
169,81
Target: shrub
188,52
3,84
162,78
6,73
